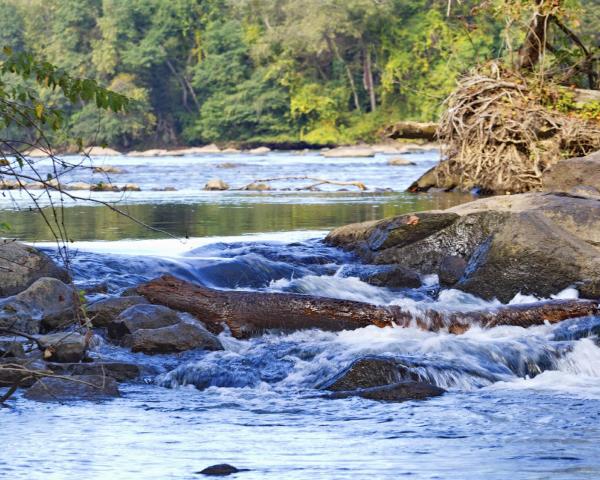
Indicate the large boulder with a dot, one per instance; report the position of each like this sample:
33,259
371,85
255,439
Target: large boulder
103,312
572,173
21,265
353,151
142,316
531,243
47,304
77,387
176,338
63,347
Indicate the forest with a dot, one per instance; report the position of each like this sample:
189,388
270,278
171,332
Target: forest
277,72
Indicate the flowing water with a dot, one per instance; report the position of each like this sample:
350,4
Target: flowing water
523,403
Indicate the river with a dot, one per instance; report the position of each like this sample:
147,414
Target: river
521,403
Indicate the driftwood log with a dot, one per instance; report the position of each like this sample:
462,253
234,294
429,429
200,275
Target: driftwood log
249,313
425,131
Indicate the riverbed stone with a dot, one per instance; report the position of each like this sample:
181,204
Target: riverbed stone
21,265
105,311
572,173
11,349
451,270
64,347
396,392
175,338
534,243
258,187
352,151
216,184
47,304
21,371
370,371
141,316
221,470
400,162
394,276
120,371
77,387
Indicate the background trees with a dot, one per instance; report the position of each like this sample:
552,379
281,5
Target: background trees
321,71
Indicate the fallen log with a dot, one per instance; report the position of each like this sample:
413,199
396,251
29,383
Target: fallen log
250,313
426,131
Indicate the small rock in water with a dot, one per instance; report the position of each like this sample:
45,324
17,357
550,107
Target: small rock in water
399,162
141,316
175,338
452,268
65,347
396,392
105,311
216,184
78,387
222,469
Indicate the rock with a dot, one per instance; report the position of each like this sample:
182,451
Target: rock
229,165
259,151
231,150
356,151
45,305
451,270
573,172
11,349
101,152
397,392
24,371
105,311
370,371
9,185
206,149
141,316
77,387
395,276
176,338
108,169
154,152
216,184
21,265
118,370
130,187
35,152
535,244
399,162
104,187
78,186
258,187
64,347
222,469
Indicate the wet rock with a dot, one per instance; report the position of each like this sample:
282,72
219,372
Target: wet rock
153,152
78,186
21,265
104,187
23,371
101,152
229,165
176,338
141,316
64,347
231,150
130,187
118,370
370,371
47,304
396,392
258,187
355,151
451,270
11,349
77,387
216,184
533,243
395,276
108,169
221,470
103,312
573,172
400,162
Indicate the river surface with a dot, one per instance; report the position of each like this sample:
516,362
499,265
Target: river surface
521,403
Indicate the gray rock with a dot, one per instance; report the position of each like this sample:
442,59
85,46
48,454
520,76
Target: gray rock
573,172
24,371
396,276
78,387
531,243
47,304
396,392
370,371
120,371
451,270
105,311
221,470
21,265
64,347
400,162
176,338
142,316
11,349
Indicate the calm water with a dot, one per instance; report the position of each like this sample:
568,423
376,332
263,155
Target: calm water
520,403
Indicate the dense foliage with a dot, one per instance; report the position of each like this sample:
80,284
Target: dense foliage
198,71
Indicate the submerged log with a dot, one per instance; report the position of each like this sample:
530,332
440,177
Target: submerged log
249,313
426,131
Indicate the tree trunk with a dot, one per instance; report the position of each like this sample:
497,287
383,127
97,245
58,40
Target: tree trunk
535,41
250,313
335,51
368,77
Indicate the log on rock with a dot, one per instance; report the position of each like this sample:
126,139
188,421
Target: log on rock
249,313
426,131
